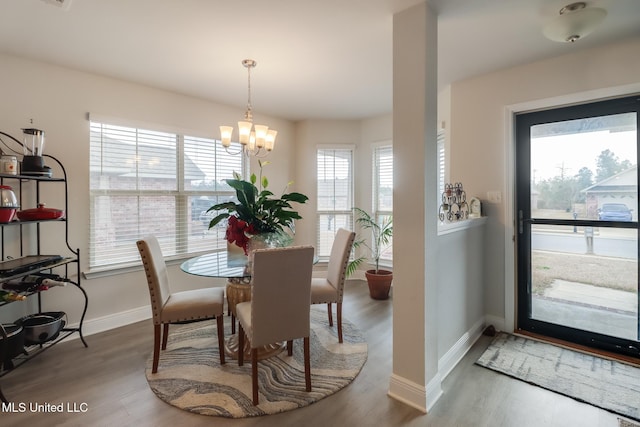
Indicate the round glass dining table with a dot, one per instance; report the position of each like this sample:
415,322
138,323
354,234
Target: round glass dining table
222,264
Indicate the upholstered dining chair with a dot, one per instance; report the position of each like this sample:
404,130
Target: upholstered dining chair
179,307
330,289
279,309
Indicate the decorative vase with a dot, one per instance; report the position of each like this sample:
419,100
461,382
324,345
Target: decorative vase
276,239
379,283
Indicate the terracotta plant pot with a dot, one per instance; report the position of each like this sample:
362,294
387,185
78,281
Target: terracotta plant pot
379,283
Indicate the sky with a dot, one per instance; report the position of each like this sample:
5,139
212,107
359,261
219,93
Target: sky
549,155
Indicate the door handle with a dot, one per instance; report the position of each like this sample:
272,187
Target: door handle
520,222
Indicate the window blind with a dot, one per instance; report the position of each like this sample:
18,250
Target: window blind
144,182
383,190
441,164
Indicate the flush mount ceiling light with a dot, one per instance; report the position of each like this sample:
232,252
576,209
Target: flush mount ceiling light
62,4
255,140
576,21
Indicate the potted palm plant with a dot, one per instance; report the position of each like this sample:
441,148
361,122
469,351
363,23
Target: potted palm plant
379,280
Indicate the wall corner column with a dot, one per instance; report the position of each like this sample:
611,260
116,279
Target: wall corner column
415,379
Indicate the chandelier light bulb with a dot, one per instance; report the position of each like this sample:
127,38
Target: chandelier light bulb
226,132
252,142
261,135
244,132
270,140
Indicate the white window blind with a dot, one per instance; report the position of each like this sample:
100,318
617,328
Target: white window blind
383,190
144,182
335,195
441,164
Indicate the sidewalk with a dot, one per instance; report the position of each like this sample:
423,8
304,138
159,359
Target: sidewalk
590,308
593,296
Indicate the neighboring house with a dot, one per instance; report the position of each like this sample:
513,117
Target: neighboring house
619,188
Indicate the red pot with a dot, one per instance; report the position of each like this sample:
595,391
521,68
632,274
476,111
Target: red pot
6,214
39,213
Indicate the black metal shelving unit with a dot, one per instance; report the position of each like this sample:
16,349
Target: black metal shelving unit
26,228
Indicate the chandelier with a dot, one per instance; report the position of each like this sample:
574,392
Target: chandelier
255,140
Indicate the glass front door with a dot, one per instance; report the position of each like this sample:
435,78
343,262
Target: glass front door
577,212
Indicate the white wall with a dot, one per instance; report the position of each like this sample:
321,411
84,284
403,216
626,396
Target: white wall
460,290
58,100
482,144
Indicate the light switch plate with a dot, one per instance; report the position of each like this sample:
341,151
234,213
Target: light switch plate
494,196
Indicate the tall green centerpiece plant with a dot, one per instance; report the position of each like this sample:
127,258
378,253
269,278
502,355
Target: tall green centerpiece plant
257,211
379,280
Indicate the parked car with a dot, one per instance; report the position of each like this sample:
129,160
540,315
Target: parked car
614,212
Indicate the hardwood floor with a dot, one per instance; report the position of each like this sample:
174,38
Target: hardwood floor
109,378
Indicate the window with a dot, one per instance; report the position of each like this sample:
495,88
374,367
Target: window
441,164
335,195
145,182
383,190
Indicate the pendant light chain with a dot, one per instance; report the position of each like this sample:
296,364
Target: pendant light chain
249,113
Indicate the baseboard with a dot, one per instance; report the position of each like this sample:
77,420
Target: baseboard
453,356
112,321
434,391
423,398
357,275
408,392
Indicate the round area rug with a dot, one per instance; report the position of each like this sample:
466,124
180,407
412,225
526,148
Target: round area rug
191,378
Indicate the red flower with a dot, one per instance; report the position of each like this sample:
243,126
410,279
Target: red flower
237,231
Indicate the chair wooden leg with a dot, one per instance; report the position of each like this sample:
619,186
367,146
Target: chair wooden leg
339,315
330,313
240,345
307,364
233,324
2,398
165,335
220,325
254,374
156,348
290,347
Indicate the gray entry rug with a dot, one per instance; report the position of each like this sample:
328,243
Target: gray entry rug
607,384
191,378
